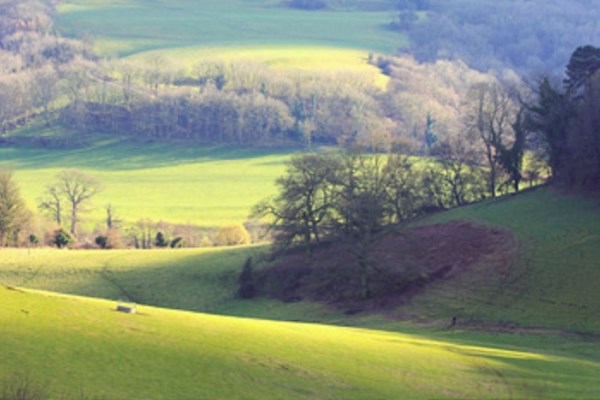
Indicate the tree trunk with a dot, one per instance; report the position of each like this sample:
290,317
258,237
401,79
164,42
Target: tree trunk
73,219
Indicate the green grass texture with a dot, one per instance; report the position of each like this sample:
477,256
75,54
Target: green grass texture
203,185
126,27
553,279
82,347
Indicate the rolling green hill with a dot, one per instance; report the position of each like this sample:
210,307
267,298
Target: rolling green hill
550,283
185,32
526,331
125,27
88,349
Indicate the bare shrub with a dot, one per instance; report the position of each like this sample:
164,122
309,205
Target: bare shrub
233,235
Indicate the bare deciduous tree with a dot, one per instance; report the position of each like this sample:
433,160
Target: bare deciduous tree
51,204
78,189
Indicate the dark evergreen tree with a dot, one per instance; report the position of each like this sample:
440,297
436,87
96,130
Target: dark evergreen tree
160,240
583,64
62,238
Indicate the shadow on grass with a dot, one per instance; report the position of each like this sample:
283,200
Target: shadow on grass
113,153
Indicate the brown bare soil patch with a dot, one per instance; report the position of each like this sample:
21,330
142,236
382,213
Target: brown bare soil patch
403,262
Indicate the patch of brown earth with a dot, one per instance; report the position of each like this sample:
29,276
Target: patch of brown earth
401,264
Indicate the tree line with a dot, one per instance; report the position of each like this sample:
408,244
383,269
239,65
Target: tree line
245,103
61,215
567,114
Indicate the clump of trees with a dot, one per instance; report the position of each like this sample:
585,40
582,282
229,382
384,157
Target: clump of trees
568,118
232,235
249,104
352,197
35,64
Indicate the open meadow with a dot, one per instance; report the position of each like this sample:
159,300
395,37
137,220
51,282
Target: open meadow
126,27
88,349
194,184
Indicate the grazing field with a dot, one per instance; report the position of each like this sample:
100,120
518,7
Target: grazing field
88,349
178,183
541,345
126,27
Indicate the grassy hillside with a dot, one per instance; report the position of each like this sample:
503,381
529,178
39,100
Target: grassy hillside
85,347
291,59
203,185
125,27
186,31
553,281
189,279
550,284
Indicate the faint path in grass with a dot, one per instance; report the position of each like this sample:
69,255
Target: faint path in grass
108,276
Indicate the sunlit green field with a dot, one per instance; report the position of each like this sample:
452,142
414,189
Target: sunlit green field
178,183
125,27
202,280
186,32
88,349
289,60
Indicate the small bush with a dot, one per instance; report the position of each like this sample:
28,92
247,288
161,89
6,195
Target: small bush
177,243
233,235
109,239
206,242
62,238
101,241
33,240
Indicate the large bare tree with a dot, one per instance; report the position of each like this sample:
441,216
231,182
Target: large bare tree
493,114
78,189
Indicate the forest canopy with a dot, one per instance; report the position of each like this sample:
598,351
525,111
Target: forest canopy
527,36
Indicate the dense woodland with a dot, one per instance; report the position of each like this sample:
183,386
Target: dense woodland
36,65
527,36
